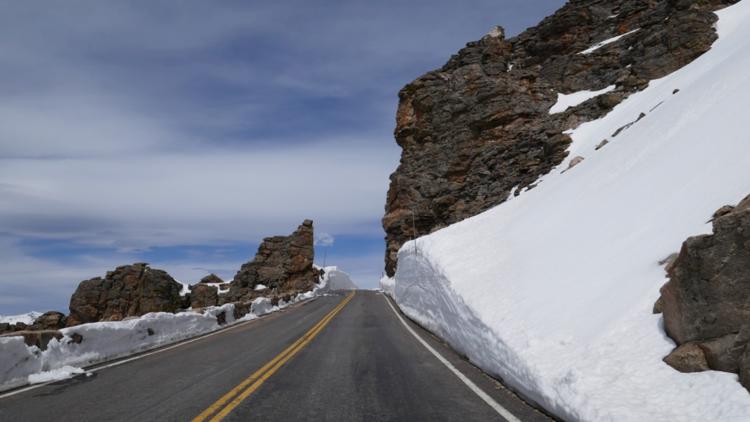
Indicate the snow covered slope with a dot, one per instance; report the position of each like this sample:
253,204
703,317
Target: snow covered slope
553,290
27,318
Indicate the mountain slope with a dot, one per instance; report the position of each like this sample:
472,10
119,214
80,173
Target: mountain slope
552,290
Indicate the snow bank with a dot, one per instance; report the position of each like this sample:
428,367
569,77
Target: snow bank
27,318
566,101
552,290
335,279
104,341
388,285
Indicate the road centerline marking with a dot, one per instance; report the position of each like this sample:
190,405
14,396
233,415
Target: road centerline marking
505,413
229,401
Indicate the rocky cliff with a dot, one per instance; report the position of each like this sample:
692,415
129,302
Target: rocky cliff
284,264
479,128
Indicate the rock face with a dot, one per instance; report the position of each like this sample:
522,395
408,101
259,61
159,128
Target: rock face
480,126
130,290
202,295
283,263
707,298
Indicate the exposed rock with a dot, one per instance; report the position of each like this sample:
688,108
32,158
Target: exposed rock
574,162
601,145
130,290
745,368
39,338
212,278
202,295
688,357
478,127
724,353
707,298
658,306
283,263
76,338
708,294
49,321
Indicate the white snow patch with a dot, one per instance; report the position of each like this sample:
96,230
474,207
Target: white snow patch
27,318
607,42
553,290
260,287
58,374
388,285
566,101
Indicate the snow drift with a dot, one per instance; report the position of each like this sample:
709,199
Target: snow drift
553,289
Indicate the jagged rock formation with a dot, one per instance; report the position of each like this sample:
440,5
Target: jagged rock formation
706,303
480,126
130,290
283,263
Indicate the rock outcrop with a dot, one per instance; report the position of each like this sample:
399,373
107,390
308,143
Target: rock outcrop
203,295
130,290
212,279
706,301
480,126
283,263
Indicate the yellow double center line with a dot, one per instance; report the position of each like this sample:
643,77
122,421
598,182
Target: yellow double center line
234,397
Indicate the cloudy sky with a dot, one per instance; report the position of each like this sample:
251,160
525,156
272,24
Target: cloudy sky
182,133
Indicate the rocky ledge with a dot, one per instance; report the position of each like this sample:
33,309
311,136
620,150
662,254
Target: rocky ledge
480,127
706,302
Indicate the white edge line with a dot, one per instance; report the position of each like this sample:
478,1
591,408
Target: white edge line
179,343
473,387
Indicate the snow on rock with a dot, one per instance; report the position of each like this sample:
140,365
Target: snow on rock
566,101
606,42
553,290
260,287
55,375
27,318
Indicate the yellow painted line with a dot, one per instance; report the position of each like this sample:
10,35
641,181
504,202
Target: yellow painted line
242,391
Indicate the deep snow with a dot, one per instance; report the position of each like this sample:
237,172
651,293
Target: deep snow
553,289
335,279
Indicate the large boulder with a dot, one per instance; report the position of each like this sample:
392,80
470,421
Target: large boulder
284,264
479,128
706,301
708,293
202,295
130,290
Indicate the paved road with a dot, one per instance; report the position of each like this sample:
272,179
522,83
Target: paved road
346,360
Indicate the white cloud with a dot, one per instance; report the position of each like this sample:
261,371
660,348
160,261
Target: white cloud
324,239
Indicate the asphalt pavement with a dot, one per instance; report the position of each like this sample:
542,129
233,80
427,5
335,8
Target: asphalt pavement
343,357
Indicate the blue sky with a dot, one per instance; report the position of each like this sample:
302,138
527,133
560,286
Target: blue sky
181,136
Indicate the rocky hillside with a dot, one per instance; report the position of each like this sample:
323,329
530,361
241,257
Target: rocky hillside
480,128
